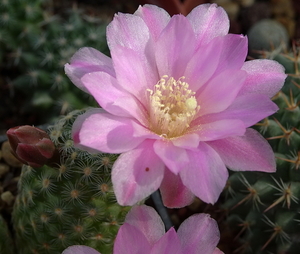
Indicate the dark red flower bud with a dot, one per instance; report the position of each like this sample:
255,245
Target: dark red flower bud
31,145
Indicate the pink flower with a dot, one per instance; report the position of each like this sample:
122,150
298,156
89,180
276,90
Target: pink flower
177,99
144,232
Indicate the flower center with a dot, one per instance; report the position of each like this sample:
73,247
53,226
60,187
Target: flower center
172,107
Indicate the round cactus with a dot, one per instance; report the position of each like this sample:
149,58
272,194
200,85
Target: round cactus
70,203
267,34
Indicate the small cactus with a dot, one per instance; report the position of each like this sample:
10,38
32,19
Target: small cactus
70,203
267,34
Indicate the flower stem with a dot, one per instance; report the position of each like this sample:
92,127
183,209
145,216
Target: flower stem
161,209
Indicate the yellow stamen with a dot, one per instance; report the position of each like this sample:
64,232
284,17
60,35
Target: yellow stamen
173,106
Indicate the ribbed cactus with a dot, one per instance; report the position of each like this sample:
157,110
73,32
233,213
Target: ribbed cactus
70,203
264,208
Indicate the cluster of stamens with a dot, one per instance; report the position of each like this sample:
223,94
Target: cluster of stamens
173,106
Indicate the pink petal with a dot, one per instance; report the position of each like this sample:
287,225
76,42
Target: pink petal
205,174
130,240
136,71
129,31
222,53
97,130
220,92
80,249
250,152
132,53
249,108
218,129
112,97
175,158
187,141
234,52
264,77
174,194
136,174
201,241
208,22
169,243
218,251
146,219
156,18
87,60
203,64
172,50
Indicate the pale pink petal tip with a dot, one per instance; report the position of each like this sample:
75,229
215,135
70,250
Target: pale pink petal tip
87,60
218,251
156,18
208,22
264,77
204,239
80,249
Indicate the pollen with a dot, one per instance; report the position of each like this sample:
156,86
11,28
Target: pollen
173,107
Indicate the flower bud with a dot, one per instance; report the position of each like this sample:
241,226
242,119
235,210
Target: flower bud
31,145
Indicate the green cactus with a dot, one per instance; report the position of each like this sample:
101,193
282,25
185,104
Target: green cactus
6,242
70,203
263,209
35,45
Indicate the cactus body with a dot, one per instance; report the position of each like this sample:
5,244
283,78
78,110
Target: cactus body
70,203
